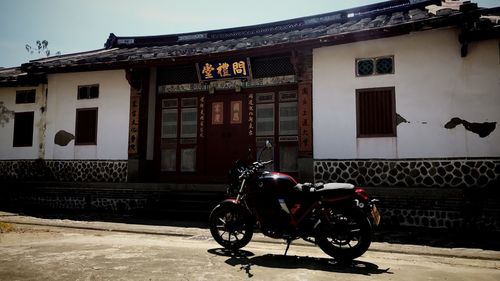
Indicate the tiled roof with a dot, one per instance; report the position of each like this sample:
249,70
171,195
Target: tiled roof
376,20
14,76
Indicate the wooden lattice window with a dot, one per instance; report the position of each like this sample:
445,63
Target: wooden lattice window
376,112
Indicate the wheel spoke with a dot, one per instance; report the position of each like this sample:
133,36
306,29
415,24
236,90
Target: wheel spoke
235,236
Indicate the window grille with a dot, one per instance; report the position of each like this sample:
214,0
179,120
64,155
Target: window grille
177,75
375,66
265,119
169,123
169,103
189,122
265,97
376,112
190,102
288,118
271,66
288,96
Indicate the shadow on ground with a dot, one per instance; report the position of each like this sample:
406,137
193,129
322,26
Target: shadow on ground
447,238
245,260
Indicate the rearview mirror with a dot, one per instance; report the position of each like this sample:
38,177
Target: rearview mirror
269,145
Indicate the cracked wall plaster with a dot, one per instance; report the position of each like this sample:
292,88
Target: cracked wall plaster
5,114
482,129
62,138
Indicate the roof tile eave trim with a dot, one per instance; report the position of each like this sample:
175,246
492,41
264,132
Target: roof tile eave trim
268,28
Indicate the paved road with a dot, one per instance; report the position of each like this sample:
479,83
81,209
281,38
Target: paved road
68,250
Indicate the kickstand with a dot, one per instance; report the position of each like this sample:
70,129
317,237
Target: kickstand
288,242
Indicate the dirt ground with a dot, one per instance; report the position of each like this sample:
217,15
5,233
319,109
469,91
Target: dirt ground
34,252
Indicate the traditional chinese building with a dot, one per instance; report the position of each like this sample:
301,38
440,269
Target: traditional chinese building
399,93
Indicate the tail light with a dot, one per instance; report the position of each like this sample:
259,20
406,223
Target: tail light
362,193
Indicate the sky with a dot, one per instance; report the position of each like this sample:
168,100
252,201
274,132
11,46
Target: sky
72,26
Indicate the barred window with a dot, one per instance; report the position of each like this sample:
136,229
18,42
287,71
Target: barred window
376,112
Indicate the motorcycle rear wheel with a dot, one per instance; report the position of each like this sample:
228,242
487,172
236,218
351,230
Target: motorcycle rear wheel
231,227
346,236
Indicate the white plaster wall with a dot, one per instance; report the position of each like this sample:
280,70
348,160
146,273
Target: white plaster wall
113,114
7,150
433,84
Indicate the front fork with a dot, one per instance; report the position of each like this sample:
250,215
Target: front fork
238,197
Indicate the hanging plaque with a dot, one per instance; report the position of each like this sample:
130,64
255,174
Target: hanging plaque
223,69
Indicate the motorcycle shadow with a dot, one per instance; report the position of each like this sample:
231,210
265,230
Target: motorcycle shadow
246,260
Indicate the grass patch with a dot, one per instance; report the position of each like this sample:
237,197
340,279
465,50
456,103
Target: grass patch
6,227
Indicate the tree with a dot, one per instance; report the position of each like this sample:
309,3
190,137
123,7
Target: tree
40,47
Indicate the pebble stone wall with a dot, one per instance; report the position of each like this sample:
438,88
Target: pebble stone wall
65,170
427,173
451,213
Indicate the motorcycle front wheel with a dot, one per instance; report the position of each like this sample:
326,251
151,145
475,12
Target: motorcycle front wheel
231,226
346,235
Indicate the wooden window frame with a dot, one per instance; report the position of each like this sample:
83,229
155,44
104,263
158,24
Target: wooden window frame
26,96
16,142
393,113
88,87
77,142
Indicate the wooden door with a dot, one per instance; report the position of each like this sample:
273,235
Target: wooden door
227,137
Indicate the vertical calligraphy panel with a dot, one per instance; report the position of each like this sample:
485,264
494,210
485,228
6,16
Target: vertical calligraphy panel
251,115
305,118
133,139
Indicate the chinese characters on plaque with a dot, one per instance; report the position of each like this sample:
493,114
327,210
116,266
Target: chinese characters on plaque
217,113
202,117
236,112
133,136
251,114
235,68
305,118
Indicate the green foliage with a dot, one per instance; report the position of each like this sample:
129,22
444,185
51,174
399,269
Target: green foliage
40,47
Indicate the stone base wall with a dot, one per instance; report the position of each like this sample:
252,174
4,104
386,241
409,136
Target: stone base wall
411,172
438,219
121,198
64,170
432,193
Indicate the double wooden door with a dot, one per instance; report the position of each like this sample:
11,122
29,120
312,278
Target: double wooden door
227,138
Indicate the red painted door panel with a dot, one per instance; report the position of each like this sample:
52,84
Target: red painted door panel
227,137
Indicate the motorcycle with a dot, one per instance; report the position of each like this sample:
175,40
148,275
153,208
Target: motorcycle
337,217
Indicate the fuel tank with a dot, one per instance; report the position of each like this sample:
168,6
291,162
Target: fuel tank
277,183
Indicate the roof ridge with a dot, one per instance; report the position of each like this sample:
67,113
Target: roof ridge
265,28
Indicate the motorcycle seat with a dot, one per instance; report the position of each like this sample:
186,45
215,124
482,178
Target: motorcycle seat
323,187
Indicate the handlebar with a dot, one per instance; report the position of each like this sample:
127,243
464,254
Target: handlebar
254,167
